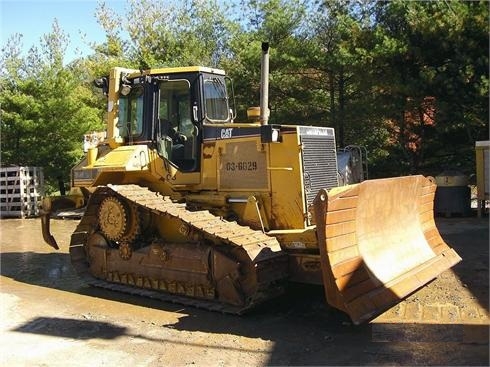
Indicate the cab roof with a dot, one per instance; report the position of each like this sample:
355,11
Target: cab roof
176,70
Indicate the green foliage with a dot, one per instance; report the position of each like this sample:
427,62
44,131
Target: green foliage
440,50
162,33
281,23
406,79
46,108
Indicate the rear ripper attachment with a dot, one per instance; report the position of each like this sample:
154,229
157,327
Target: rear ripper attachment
134,240
379,243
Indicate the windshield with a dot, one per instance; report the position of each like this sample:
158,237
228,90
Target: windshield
215,100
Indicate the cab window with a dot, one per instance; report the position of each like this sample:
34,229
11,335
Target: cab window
175,105
215,100
131,113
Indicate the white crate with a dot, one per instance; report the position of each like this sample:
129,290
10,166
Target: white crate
21,191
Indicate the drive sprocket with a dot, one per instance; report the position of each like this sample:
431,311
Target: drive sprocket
117,220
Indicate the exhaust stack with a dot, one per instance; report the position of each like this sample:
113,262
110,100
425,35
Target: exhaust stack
264,85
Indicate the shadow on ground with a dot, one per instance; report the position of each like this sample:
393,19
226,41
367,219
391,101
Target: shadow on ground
304,330
307,343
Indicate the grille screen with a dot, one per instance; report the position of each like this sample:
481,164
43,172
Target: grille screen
319,160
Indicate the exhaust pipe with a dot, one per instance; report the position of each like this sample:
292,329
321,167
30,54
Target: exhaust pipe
264,85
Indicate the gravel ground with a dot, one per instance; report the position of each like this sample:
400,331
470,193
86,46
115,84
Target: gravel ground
50,318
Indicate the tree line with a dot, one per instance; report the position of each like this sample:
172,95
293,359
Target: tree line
408,80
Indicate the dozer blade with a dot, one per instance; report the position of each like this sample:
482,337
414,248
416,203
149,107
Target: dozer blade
379,243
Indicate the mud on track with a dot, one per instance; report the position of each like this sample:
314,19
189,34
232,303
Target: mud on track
51,318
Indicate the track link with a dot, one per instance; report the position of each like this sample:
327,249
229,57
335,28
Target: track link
269,262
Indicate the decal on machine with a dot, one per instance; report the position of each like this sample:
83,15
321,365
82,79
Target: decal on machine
226,133
221,133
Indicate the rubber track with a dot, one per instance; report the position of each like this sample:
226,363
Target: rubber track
209,225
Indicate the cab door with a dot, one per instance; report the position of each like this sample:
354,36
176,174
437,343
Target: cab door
176,132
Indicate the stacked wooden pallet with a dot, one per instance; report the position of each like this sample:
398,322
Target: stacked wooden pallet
21,190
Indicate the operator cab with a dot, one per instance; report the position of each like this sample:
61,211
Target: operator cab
167,108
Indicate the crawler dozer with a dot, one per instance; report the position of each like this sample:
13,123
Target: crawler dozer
184,204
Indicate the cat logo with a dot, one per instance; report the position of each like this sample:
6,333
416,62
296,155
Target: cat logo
226,133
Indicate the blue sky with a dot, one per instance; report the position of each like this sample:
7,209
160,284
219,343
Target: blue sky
33,18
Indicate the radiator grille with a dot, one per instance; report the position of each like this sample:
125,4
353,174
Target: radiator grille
319,160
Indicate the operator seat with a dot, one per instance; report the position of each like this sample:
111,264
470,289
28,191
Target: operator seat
176,140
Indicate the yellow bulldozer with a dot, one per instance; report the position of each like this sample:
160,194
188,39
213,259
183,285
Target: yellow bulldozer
186,205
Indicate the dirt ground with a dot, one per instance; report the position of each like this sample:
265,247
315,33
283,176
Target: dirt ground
50,318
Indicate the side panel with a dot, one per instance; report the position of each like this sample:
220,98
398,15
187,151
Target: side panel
288,205
379,243
233,158
243,165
